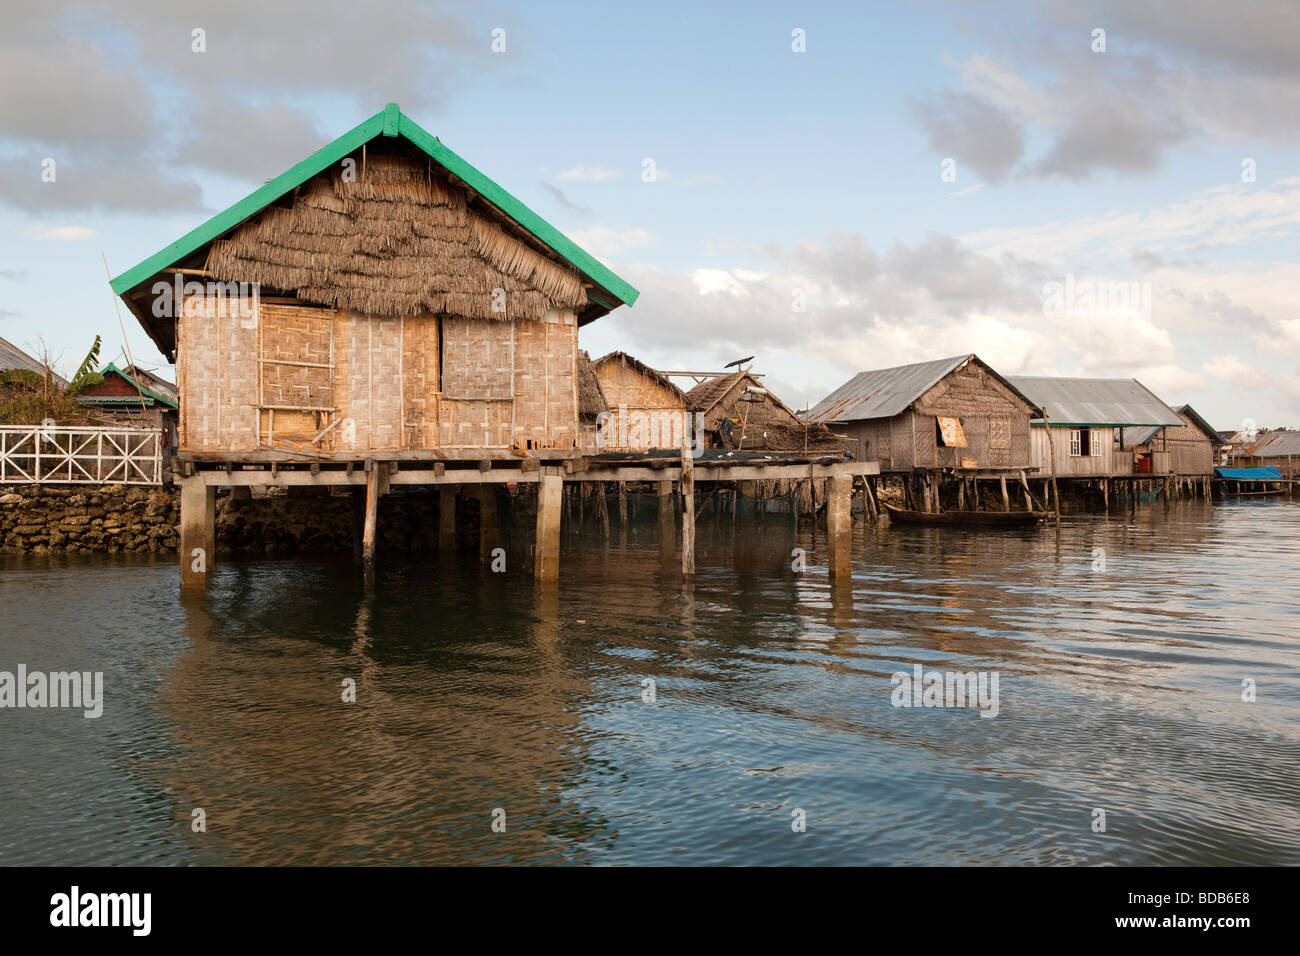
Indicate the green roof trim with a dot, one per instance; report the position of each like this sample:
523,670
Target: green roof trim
391,121
111,367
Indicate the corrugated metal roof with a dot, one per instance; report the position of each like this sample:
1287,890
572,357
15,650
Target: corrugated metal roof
11,356
1121,402
884,392
1275,445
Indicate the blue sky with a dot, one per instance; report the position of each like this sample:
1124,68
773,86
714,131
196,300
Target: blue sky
782,175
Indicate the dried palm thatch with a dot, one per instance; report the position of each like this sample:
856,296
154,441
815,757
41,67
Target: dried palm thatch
792,436
591,398
398,241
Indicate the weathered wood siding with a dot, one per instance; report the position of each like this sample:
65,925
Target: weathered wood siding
276,379
1190,450
1111,462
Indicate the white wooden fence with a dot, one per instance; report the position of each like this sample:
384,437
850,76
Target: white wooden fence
39,454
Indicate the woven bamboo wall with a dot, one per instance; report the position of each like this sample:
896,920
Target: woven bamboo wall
546,382
278,379
216,376
995,421
628,387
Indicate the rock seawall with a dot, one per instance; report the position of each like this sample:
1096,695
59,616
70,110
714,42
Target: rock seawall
82,519
115,519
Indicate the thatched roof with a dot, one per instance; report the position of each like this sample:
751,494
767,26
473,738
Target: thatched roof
635,363
591,398
308,258
398,240
709,392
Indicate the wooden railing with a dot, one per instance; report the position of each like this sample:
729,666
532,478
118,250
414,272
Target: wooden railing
38,454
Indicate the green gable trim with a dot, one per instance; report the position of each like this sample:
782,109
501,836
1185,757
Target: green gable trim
110,367
254,202
390,122
517,211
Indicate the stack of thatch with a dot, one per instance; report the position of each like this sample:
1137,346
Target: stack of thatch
399,240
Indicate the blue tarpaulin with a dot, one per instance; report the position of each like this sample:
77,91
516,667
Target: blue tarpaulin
1249,474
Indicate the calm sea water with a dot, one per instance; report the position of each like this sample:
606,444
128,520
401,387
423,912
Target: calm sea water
1118,689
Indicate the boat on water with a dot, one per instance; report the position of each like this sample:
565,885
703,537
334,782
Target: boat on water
985,519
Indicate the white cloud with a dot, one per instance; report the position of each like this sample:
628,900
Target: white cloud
606,243
595,174
66,233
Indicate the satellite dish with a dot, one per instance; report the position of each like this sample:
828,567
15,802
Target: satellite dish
739,362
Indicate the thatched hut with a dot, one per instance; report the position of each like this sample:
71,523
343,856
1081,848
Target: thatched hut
382,297
645,408
736,411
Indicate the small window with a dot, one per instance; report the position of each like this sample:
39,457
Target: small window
1077,442
948,433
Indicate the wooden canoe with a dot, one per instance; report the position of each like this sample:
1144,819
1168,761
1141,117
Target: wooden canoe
985,519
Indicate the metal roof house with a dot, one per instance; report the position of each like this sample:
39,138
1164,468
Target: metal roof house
1195,448
1278,449
1087,420
952,413
383,296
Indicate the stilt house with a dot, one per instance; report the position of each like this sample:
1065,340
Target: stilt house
382,298
953,413
1091,423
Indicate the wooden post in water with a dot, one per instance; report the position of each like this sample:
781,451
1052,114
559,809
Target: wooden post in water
1051,449
550,502
667,522
1006,500
198,544
622,504
447,518
374,481
602,510
487,521
839,525
688,510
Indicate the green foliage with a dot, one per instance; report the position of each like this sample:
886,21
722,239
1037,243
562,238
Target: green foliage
86,376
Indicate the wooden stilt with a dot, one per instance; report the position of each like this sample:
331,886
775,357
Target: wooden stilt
602,509
688,510
447,518
374,479
1006,500
839,525
546,550
488,532
198,532
667,520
